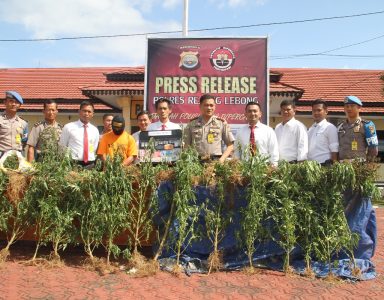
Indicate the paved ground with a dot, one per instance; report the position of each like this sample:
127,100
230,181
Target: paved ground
72,281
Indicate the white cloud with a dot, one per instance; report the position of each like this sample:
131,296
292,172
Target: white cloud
236,3
67,18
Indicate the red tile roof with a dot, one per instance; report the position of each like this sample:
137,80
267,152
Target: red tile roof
340,109
56,83
335,84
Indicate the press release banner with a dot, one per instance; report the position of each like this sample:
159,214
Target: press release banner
233,70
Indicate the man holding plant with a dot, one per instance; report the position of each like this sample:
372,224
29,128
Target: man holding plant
207,132
44,132
118,141
255,137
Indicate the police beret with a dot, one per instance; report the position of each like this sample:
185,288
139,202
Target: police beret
352,100
14,95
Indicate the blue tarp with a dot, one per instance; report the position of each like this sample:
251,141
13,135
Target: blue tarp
360,216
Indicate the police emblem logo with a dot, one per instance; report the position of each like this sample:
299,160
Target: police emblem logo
371,129
222,58
189,60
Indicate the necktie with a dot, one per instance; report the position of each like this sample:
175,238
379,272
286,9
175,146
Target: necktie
252,141
162,126
85,145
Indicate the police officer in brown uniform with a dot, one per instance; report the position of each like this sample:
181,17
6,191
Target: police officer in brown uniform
13,129
207,132
357,137
44,132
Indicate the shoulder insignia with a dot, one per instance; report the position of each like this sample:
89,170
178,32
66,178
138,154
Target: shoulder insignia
23,119
221,119
365,121
38,123
340,124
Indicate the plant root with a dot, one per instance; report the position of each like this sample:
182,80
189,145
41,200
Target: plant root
139,266
332,278
99,265
4,253
17,186
251,270
308,272
356,272
215,261
177,270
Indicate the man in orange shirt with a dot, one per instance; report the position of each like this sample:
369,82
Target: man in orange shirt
118,141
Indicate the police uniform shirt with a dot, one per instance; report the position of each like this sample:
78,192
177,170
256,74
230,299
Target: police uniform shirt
353,138
72,137
293,140
207,137
13,133
322,141
41,131
158,126
266,142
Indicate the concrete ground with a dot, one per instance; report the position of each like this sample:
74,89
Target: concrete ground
73,281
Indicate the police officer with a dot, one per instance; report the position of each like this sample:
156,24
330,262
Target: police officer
357,137
13,129
207,132
44,133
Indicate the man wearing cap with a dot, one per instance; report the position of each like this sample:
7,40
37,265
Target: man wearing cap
45,134
163,110
118,141
81,137
13,129
357,137
207,132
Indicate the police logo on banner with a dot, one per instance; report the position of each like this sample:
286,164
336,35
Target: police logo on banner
222,58
189,60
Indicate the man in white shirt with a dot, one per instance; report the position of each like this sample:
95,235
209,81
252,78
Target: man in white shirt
291,135
143,121
81,137
256,137
163,110
322,136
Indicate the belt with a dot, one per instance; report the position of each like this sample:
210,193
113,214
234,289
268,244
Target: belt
85,164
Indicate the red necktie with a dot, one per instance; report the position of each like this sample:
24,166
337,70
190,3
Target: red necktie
252,141
85,145
162,126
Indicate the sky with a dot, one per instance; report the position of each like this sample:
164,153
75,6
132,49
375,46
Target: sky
287,43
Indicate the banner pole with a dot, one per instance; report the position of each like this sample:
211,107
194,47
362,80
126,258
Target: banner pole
185,19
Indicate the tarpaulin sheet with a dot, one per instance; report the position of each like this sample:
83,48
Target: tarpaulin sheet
360,216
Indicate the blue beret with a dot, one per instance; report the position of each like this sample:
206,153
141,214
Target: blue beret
352,100
14,95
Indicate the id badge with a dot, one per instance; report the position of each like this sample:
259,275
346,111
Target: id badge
91,148
18,138
354,145
210,138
